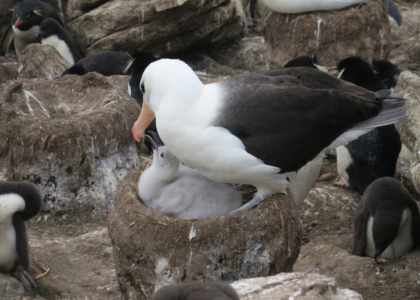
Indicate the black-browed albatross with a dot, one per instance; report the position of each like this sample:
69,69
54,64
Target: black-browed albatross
258,128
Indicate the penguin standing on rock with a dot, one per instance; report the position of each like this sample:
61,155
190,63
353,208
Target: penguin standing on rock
19,201
196,291
374,154
52,33
387,222
27,18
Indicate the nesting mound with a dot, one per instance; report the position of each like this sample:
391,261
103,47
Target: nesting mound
70,136
152,250
363,31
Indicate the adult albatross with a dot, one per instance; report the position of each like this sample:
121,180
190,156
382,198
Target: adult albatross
258,128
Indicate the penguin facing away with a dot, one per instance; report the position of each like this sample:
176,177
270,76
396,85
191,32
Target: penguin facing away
52,33
196,291
27,18
387,222
181,192
107,63
374,154
19,201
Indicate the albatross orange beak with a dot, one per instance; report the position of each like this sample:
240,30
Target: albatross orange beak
146,117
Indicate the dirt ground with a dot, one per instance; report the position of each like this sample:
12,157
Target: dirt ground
72,254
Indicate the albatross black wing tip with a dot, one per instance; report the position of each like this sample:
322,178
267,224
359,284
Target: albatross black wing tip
6,40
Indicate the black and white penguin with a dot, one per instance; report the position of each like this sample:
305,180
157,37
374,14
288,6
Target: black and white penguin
27,18
19,201
310,61
387,72
52,33
387,222
107,63
374,154
196,291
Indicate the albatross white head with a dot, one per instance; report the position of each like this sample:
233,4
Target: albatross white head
167,83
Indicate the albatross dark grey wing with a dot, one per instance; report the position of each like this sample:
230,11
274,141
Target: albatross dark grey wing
6,40
394,11
287,117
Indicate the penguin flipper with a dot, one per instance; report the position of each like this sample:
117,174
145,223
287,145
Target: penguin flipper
6,40
394,11
21,241
360,228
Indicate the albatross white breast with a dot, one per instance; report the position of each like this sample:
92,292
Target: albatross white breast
258,128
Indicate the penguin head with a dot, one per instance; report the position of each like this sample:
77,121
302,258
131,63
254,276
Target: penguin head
27,14
135,67
352,68
387,72
310,61
48,28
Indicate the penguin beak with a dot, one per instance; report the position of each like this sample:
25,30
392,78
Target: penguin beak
146,117
322,68
17,22
332,70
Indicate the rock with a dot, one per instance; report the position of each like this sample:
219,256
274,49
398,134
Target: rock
41,61
161,27
151,250
285,286
363,31
249,54
405,39
8,71
10,287
76,8
70,136
409,128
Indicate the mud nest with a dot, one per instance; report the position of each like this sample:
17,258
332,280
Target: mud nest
152,250
359,30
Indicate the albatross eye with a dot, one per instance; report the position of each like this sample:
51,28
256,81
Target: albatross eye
162,155
142,88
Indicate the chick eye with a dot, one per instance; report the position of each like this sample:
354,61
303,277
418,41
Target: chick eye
162,155
142,88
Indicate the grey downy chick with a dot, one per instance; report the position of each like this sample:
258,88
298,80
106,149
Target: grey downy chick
181,192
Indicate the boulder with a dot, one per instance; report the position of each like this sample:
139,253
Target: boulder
41,61
8,71
363,31
409,127
285,286
161,27
249,53
70,136
405,39
152,250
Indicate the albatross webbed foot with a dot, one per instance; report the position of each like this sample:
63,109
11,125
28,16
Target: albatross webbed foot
252,203
27,280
